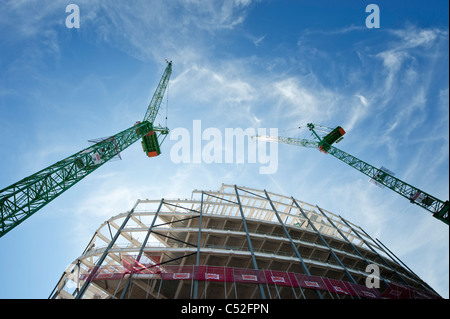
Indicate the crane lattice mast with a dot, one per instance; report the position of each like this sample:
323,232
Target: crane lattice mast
380,176
22,199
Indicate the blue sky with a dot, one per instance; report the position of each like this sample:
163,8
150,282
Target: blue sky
236,64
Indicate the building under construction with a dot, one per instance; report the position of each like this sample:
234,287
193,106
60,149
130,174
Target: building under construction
236,243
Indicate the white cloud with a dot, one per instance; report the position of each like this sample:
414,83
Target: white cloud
392,61
259,40
412,37
362,99
304,103
256,40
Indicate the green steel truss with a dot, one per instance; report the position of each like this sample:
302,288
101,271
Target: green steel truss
153,107
22,199
289,140
438,208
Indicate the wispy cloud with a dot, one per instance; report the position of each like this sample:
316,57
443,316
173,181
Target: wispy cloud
380,92
305,103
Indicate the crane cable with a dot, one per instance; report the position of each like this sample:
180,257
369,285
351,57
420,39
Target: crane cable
290,129
167,102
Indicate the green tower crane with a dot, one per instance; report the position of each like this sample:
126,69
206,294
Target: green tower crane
22,199
379,176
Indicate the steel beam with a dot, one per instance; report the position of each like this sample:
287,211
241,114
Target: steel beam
374,251
103,257
336,258
250,246
350,243
286,233
198,247
147,236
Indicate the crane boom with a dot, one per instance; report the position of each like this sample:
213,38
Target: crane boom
22,199
438,208
289,140
153,107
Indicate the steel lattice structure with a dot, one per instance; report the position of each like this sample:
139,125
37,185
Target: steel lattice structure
233,243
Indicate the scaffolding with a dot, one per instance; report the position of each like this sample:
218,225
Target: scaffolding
235,243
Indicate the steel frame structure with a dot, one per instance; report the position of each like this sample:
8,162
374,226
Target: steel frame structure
236,242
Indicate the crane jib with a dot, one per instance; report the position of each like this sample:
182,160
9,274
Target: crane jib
22,199
156,100
438,208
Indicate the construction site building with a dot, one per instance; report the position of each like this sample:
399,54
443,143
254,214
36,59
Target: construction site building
236,243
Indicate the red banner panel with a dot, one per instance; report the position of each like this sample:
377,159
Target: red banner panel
277,278
311,282
229,274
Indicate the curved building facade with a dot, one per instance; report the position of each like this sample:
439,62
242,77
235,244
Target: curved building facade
236,243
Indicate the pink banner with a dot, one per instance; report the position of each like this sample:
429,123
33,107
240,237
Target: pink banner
229,274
